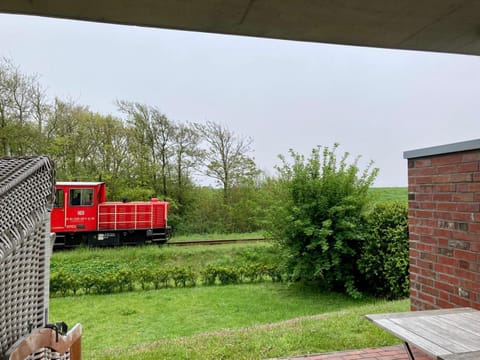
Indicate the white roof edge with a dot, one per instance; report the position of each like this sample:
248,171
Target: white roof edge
79,183
443,149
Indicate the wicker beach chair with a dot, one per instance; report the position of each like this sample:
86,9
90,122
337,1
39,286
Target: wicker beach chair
26,198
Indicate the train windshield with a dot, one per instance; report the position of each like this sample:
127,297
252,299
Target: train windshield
82,197
59,196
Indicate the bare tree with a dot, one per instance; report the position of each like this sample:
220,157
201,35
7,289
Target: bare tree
226,158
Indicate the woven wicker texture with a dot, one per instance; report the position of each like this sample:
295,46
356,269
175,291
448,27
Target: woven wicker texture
26,197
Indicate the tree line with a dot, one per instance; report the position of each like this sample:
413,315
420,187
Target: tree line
140,155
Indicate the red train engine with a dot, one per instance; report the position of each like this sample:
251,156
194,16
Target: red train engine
82,215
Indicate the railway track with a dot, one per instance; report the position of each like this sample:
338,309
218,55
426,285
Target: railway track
214,242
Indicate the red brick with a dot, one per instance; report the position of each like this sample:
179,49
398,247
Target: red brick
445,287
423,213
471,285
430,290
462,197
422,230
427,256
424,171
464,236
464,217
444,188
474,228
423,162
468,167
445,260
442,304
448,279
446,206
427,273
425,264
459,301
440,268
468,207
423,196
413,237
441,179
442,232
427,298
427,205
470,156
424,247
445,215
464,274
425,179
465,255
473,187
446,169
442,197
446,159
461,177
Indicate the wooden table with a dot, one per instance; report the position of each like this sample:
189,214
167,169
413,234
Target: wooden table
450,334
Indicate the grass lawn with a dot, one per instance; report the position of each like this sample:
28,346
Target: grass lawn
248,321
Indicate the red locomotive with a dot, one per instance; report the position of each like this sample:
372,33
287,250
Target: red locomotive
81,215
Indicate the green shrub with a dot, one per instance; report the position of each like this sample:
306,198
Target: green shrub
87,282
161,277
124,279
227,275
385,258
209,275
183,277
105,283
59,282
317,214
145,276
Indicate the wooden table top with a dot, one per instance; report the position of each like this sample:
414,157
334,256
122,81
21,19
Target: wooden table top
447,334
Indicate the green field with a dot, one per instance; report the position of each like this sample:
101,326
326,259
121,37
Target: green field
251,321
389,193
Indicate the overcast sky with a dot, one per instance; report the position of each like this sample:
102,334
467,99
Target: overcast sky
284,94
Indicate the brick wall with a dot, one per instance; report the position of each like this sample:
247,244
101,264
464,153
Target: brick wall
444,226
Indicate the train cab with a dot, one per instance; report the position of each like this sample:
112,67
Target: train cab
76,207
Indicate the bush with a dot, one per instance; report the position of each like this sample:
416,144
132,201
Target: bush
318,213
161,277
183,277
124,279
385,258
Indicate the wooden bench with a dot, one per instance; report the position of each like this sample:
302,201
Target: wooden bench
450,334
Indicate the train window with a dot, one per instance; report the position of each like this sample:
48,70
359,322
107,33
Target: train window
81,197
59,197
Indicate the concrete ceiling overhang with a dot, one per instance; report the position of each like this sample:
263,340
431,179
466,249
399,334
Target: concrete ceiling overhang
431,25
